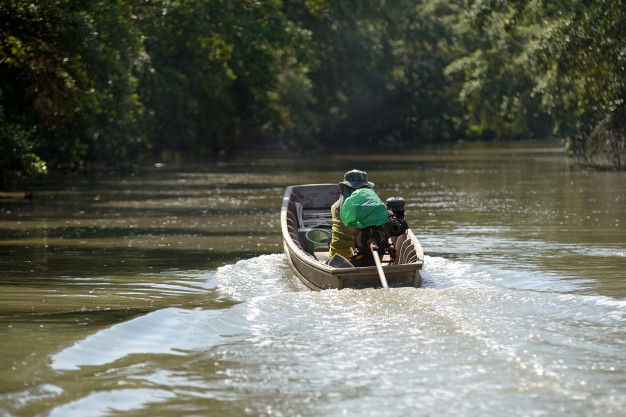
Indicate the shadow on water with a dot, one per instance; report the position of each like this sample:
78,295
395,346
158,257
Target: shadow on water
71,319
45,265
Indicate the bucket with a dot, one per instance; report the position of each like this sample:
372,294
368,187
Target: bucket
317,238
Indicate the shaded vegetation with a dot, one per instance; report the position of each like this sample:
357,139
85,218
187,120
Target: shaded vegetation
86,84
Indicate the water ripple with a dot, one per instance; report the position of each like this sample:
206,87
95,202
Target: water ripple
171,331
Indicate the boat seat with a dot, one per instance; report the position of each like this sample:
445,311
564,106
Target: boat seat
316,217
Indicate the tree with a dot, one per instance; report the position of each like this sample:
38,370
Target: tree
562,59
579,65
87,83
67,77
223,73
16,152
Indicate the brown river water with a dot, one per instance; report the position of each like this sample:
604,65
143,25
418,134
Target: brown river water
166,293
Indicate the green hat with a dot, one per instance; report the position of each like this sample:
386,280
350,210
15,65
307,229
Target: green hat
355,179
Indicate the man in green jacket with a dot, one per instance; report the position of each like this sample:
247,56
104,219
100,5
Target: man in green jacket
342,239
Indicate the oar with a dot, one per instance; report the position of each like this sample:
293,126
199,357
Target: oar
379,266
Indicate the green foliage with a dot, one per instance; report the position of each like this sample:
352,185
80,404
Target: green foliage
580,59
91,83
562,62
222,73
67,70
495,87
16,152
380,72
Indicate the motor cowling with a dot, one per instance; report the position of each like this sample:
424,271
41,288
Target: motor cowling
396,205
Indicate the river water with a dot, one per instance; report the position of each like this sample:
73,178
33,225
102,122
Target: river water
167,293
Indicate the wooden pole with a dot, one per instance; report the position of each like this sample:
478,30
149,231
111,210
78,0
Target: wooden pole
379,266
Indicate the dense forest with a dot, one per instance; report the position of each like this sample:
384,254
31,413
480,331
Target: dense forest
91,83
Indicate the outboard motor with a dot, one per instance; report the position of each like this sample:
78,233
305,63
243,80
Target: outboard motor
397,222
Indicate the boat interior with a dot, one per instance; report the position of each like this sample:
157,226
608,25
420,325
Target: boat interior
301,220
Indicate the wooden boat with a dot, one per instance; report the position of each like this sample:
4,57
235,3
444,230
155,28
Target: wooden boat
307,207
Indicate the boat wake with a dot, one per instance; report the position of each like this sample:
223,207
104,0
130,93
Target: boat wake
253,282
489,339
176,330
171,331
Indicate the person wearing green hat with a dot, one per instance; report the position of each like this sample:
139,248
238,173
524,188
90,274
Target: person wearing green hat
341,238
